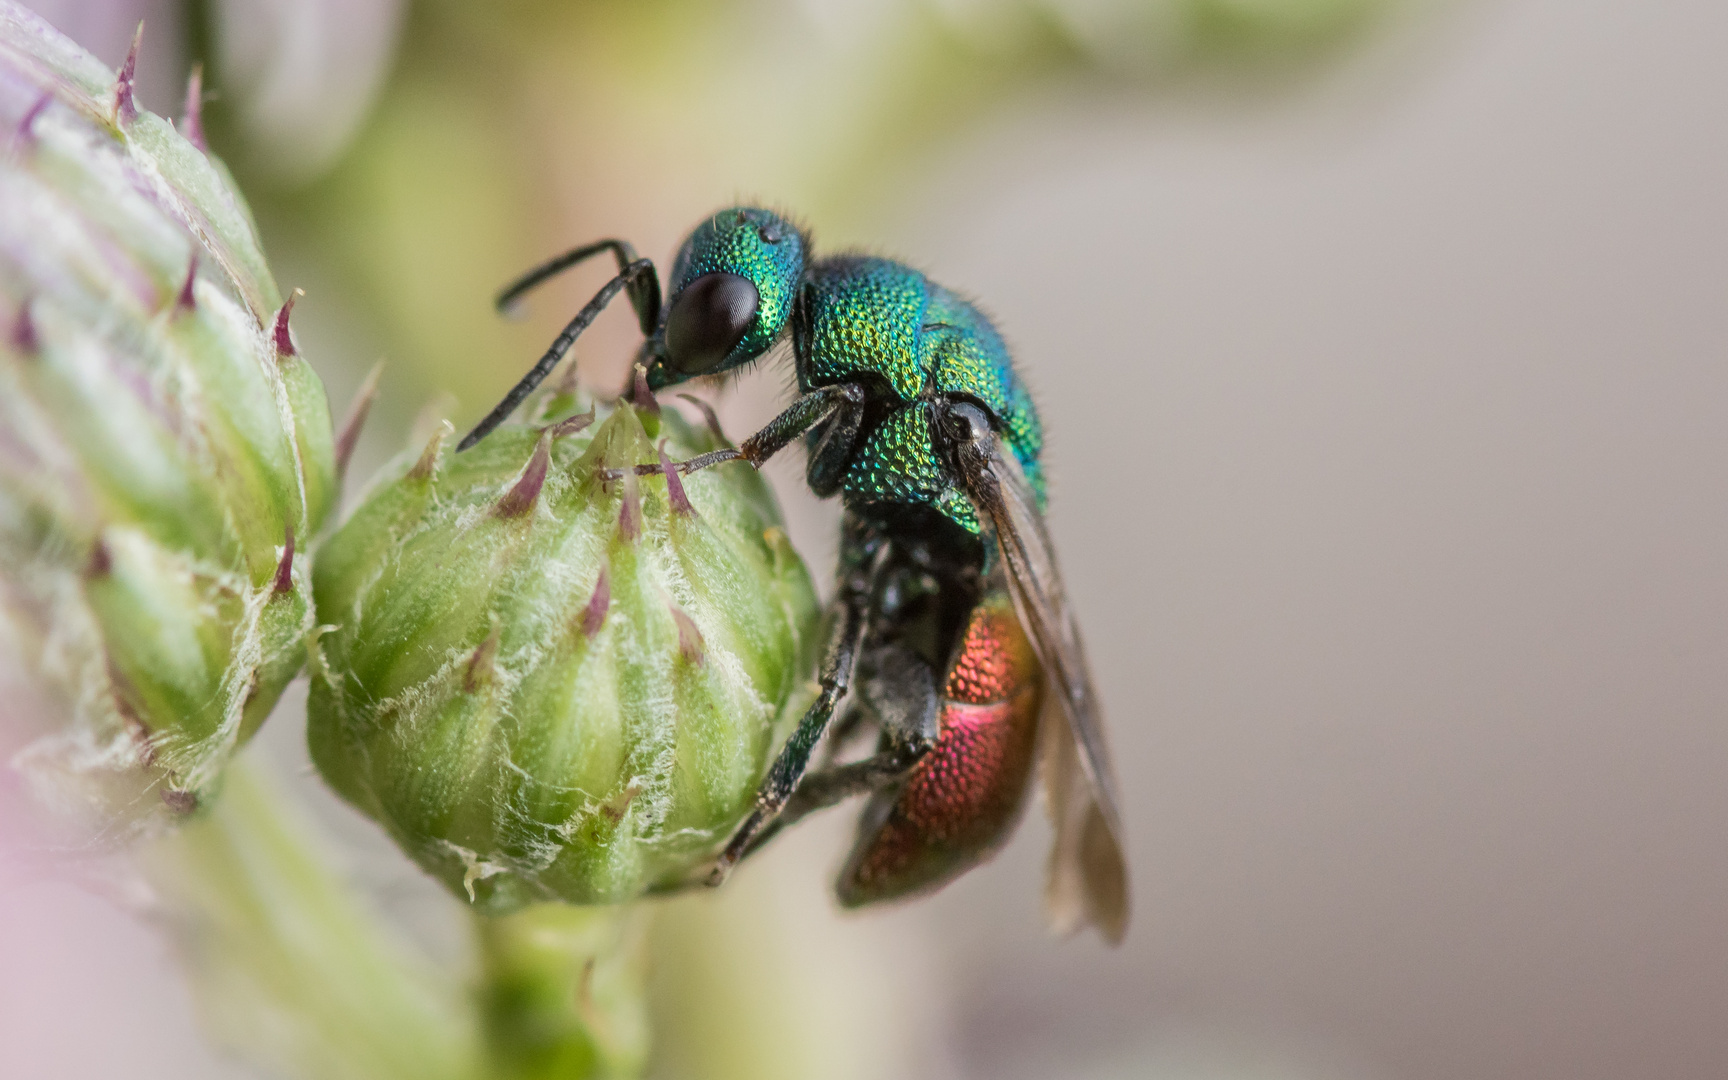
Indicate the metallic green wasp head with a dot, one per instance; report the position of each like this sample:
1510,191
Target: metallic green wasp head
732,289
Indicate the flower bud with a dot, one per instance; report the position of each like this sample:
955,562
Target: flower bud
165,453
550,685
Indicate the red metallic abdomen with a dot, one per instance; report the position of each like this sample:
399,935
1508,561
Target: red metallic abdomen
962,799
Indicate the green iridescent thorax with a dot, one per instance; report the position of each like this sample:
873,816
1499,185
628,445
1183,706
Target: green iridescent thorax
884,323
898,463
755,244
863,319
966,356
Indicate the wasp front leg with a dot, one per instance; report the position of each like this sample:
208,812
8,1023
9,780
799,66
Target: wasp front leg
841,405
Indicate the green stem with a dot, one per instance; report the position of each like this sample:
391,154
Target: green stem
287,968
562,994
292,973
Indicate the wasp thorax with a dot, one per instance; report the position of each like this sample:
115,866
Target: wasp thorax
708,320
546,684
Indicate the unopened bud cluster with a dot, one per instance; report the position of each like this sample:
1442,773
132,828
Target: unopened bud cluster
549,680
165,455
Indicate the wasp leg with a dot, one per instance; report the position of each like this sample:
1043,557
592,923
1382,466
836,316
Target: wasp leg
833,451
851,725
829,787
625,278
897,695
860,553
898,688
644,290
844,402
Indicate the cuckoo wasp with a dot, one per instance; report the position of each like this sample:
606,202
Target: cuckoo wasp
951,634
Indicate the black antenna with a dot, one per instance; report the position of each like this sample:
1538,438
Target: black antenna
626,278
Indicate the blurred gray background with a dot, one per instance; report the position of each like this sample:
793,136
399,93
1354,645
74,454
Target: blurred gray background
1386,427
1391,460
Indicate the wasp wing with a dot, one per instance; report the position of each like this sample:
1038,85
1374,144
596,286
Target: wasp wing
1088,876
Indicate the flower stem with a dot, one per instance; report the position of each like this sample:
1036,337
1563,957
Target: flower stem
562,992
287,967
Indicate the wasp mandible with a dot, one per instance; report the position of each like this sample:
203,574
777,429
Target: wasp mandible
951,633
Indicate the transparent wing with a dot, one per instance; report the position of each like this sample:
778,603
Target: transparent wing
1088,877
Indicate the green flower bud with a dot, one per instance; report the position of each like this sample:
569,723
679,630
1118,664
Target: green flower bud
550,686
165,453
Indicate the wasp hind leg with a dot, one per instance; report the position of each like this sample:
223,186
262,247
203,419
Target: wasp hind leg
860,557
897,690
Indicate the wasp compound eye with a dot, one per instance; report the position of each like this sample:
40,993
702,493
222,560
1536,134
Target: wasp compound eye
708,319
965,423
